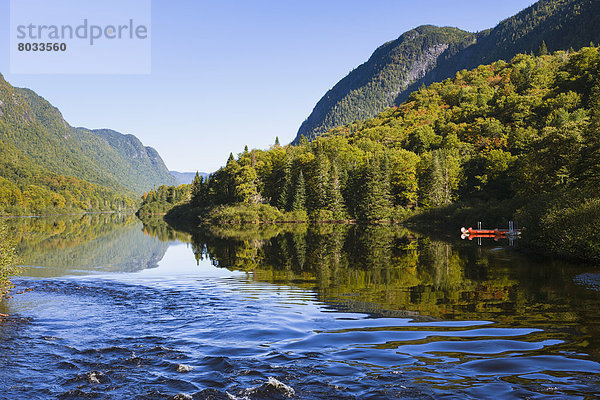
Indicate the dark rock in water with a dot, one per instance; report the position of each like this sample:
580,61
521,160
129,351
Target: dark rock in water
589,280
182,368
182,396
94,376
272,389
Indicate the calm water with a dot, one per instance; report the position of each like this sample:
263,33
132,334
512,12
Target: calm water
111,309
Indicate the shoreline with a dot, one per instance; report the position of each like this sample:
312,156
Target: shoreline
66,214
440,222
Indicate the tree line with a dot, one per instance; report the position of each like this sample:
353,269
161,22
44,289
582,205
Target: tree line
50,193
524,131
526,127
162,199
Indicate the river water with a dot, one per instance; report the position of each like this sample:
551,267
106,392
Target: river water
108,308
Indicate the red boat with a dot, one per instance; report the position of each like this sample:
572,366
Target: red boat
495,232
495,237
488,233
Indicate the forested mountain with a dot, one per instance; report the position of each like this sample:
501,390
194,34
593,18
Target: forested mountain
124,158
428,54
47,164
375,85
104,157
520,138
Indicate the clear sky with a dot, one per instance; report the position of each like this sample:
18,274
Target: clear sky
231,73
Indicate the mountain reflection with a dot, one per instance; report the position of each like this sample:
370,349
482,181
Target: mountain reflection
64,245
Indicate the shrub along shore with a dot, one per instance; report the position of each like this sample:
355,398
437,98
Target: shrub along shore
8,261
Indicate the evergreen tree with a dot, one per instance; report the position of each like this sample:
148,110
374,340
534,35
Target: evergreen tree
319,198
283,202
352,190
198,191
299,203
226,181
374,203
335,198
542,50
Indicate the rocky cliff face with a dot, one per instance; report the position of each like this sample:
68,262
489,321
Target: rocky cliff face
376,84
430,54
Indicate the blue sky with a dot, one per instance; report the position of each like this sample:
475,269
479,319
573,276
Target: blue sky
231,73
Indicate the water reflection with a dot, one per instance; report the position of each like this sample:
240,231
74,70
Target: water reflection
389,271
67,245
333,311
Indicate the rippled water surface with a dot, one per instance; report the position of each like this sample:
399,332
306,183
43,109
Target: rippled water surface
107,309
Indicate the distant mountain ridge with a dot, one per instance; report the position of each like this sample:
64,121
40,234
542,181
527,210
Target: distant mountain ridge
430,54
187,177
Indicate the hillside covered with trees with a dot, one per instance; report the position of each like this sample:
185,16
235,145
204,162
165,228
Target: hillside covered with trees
47,166
517,140
430,54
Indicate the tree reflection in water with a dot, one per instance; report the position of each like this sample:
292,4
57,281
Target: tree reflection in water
391,271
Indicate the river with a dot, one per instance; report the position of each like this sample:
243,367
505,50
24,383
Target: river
109,308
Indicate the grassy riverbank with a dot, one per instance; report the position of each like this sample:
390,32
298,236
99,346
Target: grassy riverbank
243,213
